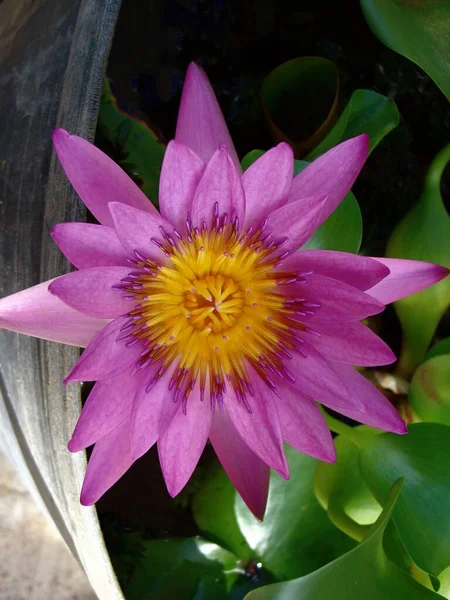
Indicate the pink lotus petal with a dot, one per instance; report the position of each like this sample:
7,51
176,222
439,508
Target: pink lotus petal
96,178
260,429
105,357
90,291
406,277
220,186
303,425
351,344
177,192
182,444
248,474
86,245
39,313
267,183
152,413
332,174
375,409
297,221
358,271
338,301
136,229
107,406
110,459
200,124
318,378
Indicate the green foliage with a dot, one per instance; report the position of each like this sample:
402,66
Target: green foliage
296,535
216,497
184,569
364,572
342,491
417,29
137,148
366,112
429,394
424,234
422,512
442,347
299,98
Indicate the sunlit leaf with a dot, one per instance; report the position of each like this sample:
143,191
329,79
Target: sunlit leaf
365,572
422,512
296,535
300,99
417,29
137,148
343,492
429,394
366,112
424,234
444,579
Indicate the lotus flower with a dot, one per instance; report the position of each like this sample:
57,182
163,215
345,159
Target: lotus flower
203,321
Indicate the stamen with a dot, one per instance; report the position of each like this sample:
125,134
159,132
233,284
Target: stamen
215,308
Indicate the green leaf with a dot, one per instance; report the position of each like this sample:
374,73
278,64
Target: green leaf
342,491
444,579
364,572
184,569
296,535
429,394
424,234
366,112
139,151
422,512
442,347
216,497
343,228
300,99
417,29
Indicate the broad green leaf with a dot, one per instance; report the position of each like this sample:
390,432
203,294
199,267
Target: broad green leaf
296,536
429,394
417,29
300,99
364,572
442,347
342,491
182,568
343,228
422,512
424,234
366,112
138,150
216,498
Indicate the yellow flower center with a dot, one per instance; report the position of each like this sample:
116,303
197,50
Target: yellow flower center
213,309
